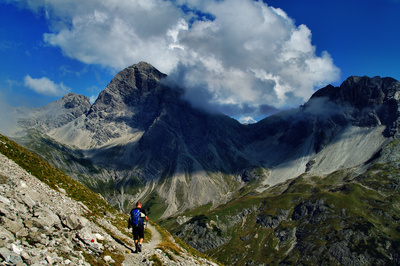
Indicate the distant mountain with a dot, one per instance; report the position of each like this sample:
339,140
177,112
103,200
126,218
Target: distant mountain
141,140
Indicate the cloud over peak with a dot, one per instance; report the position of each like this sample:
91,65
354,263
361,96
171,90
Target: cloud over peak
241,56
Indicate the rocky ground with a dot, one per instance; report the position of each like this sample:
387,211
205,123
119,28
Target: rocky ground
41,226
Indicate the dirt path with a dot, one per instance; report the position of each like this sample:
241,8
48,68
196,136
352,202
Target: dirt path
148,250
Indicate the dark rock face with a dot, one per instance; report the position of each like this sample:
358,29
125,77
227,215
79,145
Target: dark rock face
362,92
201,235
270,221
135,91
315,212
376,100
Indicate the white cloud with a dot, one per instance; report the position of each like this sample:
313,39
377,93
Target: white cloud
45,86
247,120
240,55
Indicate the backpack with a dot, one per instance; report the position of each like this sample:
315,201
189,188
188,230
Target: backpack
136,220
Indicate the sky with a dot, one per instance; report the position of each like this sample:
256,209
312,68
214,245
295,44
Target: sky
245,58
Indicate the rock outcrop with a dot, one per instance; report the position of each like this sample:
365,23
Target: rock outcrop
376,101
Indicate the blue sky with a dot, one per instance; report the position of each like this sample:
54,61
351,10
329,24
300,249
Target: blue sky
245,58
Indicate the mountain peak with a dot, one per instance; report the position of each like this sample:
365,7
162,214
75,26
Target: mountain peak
144,68
73,100
363,91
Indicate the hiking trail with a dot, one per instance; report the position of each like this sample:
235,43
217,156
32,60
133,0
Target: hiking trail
148,249
151,250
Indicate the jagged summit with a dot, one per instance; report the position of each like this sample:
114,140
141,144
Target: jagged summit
366,101
129,87
362,92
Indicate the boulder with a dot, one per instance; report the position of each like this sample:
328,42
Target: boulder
72,222
108,259
86,236
45,217
12,226
29,202
10,257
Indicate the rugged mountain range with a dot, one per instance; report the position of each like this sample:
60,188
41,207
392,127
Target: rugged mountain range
141,140
315,184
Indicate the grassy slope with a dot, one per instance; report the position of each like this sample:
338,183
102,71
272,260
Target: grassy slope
312,218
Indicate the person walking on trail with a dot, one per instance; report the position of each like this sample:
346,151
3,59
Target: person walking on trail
136,222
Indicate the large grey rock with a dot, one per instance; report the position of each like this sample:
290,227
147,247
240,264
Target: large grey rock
28,201
12,226
6,236
45,217
74,222
10,257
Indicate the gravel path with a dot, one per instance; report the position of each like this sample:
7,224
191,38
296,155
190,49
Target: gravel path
148,250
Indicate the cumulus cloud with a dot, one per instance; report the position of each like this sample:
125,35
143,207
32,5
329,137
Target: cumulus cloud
45,86
238,55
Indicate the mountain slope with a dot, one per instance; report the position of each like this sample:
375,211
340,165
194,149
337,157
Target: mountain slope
344,218
49,218
339,127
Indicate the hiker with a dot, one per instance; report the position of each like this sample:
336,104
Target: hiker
137,224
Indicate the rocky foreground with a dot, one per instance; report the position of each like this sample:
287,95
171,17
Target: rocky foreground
41,226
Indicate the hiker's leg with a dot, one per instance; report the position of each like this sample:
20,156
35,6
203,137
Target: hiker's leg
141,237
136,238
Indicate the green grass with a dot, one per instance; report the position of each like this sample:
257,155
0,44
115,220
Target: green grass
155,260
156,205
171,249
366,204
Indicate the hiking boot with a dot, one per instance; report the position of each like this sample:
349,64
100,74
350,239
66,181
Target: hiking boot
139,247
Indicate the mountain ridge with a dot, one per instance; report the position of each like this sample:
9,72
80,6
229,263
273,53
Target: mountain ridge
143,140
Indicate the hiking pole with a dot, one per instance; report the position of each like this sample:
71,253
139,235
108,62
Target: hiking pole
148,213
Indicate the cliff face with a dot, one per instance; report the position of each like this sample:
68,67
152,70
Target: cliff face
376,100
